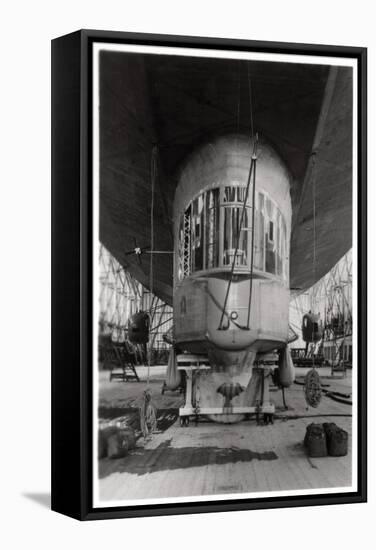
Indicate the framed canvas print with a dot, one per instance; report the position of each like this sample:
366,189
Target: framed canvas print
209,275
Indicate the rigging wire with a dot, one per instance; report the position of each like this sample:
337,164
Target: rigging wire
314,239
148,413
153,170
254,158
238,107
312,386
251,168
250,99
253,197
314,215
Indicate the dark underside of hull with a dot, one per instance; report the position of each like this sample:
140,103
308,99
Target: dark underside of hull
173,104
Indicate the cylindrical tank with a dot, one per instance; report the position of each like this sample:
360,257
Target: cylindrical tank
213,244
138,328
311,328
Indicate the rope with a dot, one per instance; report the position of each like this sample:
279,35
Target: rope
254,158
297,417
153,169
314,215
312,388
284,398
250,100
238,106
252,169
314,243
148,416
238,238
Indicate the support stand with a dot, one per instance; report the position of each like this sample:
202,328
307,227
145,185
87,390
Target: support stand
193,365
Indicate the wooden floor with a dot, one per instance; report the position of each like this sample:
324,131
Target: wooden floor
214,459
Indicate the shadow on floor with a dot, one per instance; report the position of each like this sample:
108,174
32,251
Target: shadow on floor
43,499
165,457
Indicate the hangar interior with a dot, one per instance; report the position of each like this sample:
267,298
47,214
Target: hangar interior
225,350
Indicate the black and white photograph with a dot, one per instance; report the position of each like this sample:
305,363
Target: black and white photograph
188,300
225,274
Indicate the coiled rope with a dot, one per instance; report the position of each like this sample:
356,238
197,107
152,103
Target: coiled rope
312,388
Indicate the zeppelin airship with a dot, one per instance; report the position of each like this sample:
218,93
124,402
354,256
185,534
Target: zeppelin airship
238,175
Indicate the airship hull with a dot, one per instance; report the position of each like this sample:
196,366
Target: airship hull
232,225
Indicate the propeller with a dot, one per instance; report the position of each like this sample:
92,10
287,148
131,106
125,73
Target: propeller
137,250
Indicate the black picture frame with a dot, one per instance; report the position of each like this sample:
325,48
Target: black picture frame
72,286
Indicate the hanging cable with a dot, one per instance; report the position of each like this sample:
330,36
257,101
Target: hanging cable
252,169
153,170
314,215
312,388
238,106
250,99
253,196
220,327
314,243
148,412
254,158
